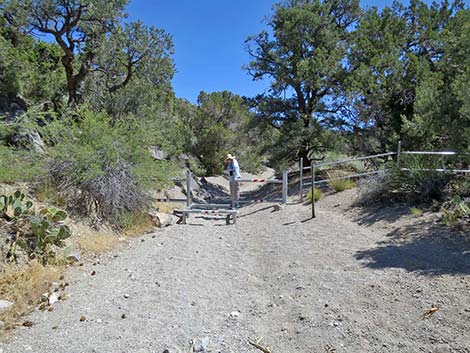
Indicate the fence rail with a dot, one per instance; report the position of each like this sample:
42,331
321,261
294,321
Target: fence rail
398,154
381,171
441,170
442,153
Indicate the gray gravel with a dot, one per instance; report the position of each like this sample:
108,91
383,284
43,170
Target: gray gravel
311,286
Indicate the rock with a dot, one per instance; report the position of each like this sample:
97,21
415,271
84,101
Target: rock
82,318
2,327
157,153
278,207
201,344
36,142
127,296
27,323
53,298
234,314
73,257
162,220
5,305
174,193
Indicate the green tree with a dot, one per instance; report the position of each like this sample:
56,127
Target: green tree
77,26
442,110
402,86
133,68
220,125
305,60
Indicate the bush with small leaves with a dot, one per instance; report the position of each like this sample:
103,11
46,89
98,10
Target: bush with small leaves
455,210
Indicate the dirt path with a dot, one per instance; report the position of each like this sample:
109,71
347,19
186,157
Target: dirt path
327,283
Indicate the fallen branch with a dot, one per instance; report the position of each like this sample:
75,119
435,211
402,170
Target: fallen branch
428,313
258,346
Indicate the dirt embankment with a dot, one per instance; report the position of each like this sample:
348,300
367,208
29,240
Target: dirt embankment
346,281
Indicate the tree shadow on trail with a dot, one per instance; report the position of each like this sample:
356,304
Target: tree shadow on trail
372,214
425,248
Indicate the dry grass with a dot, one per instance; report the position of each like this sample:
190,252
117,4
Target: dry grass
97,242
339,185
91,241
165,207
138,224
318,195
24,286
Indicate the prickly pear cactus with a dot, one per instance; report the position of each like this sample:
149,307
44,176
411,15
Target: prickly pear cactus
37,235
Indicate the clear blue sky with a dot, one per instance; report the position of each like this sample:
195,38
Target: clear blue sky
209,38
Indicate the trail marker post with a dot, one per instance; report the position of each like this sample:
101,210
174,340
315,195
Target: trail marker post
188,188
301,188
285,184
398,154
313,189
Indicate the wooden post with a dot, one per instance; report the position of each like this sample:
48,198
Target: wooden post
188,188
398,154
301,187
313,189
285,184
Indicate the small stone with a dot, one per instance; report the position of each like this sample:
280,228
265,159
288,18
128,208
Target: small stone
51,308
55,327
5,305
74,257
234,314
201,344
166,351
27,323
123,316
82,318
127,296
93,273
53,298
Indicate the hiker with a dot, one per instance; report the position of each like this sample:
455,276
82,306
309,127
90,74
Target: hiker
233,172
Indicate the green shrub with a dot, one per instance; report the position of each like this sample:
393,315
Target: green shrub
418,183
19,165
318,195
104,166
417,212
413,182
456,209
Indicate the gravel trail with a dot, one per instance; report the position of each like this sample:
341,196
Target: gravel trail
323,285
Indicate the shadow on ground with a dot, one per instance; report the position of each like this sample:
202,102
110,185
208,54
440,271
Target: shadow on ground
370,215
423,247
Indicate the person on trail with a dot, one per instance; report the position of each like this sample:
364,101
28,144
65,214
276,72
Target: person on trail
233,171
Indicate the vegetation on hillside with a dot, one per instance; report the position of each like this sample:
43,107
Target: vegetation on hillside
84,95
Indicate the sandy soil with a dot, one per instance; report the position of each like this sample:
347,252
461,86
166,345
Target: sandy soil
347,281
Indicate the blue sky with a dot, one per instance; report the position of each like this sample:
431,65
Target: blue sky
209,38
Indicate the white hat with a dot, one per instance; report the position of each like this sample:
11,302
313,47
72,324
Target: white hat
229,156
